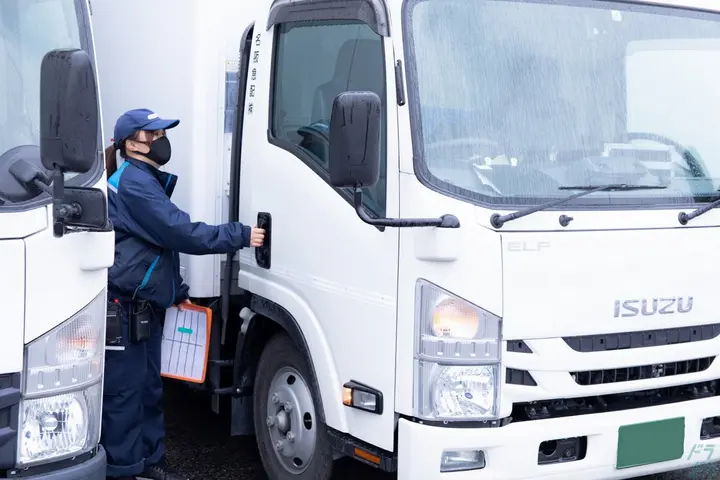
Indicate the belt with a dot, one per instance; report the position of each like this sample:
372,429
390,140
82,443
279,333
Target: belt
141,304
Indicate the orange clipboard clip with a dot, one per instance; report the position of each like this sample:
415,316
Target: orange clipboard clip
185,343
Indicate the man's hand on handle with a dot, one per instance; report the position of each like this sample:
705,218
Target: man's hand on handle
257,237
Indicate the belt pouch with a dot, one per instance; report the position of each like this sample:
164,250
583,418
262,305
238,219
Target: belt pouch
140,318
113,325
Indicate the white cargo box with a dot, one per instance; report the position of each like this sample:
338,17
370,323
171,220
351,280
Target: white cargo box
180,59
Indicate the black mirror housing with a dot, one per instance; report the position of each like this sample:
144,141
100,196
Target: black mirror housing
355,136
69,114
85,208
355,140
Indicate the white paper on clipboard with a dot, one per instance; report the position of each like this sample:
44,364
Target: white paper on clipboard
185,343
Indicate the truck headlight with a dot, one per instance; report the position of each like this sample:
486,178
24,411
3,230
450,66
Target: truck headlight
60,410
457,357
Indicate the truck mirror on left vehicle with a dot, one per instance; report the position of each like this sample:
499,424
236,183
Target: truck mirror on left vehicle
355,140
68,111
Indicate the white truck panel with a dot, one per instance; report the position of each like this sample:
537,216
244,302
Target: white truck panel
22,224
335,274
12,283
589,273
63,275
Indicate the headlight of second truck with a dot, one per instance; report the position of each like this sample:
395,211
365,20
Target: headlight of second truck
62,388
457,357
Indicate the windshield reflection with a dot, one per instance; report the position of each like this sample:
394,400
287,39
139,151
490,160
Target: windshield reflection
28,30
514,99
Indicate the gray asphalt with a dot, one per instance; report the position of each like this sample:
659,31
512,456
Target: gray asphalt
199,444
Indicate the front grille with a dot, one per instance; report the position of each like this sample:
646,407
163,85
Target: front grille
647,338
519,377
518,346
9,409
556,408
629,374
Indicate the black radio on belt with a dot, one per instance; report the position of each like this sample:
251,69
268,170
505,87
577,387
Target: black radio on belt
113,324
140,317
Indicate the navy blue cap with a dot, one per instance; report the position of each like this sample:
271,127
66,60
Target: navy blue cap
140,119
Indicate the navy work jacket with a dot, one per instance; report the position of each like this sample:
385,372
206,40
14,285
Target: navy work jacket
151,232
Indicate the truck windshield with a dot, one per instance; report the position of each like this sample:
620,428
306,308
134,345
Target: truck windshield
28,30
511,100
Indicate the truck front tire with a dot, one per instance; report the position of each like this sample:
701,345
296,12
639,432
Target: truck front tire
292,441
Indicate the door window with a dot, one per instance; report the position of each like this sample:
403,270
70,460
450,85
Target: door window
314,63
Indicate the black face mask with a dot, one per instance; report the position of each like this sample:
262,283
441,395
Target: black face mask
160,151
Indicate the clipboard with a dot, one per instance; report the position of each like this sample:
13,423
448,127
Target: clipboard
186,343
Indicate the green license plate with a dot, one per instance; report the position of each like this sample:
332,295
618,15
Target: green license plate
652,442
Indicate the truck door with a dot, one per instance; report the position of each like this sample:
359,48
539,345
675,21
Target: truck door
336,275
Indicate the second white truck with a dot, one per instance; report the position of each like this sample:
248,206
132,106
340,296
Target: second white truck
491,242
56,243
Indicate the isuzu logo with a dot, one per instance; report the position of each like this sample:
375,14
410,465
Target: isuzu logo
653,306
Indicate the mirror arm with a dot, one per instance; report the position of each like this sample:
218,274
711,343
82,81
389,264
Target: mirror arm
42,186
58,186
61,210
445,221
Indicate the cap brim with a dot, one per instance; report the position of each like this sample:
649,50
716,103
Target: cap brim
161,124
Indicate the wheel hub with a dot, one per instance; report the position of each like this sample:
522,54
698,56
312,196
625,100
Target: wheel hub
282,422
291,420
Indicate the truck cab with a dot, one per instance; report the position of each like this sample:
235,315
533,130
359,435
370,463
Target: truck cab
567,140
55,243
490,228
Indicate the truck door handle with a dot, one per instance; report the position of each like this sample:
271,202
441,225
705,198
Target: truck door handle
262,254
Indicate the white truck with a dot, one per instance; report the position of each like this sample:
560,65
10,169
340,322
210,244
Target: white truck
56,243
491,240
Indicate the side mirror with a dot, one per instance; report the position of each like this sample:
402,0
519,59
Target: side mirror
69,120
355,136
68,111
355,140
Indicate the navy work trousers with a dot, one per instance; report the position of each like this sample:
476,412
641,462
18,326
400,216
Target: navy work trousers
133,420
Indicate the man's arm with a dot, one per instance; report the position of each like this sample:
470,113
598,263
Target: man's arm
165,225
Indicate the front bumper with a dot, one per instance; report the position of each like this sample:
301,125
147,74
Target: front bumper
92,469
511,452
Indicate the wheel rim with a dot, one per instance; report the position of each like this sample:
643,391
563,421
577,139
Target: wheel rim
291,420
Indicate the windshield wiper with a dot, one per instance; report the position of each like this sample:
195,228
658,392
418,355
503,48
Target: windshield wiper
684,218
497,220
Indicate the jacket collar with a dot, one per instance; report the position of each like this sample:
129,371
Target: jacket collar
167,180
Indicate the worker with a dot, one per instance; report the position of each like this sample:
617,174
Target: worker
150,233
